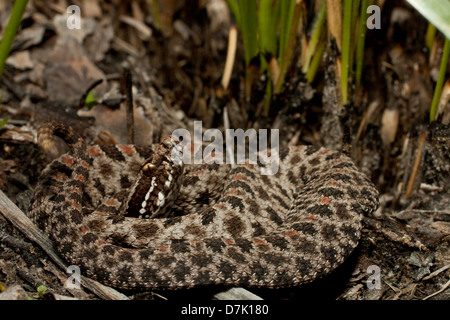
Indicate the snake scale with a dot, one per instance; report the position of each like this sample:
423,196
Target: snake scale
133,217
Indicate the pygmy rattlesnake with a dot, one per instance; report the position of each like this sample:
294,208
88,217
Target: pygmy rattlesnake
223,225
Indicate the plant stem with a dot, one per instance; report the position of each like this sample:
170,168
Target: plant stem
440,81
289,47
353,32
249,23
156,14
429,38
315,36
10,31
316,60
267,25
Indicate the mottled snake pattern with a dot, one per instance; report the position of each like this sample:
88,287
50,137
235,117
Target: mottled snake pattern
223,225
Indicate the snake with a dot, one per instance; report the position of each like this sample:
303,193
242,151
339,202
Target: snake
135,217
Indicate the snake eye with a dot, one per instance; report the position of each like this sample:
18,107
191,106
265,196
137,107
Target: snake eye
147,168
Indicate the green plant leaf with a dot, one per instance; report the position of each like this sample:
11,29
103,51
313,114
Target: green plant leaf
440,81
249,25
315,35
90,100
11,30
40,291
435,11
3,122
267,20
233,5
429,37
286,17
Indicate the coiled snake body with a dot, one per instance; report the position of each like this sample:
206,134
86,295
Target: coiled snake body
211,225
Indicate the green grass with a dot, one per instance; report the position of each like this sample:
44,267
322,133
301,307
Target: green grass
287,39
440,81
268,30
11,31
435,11
360,42
316,35
429,38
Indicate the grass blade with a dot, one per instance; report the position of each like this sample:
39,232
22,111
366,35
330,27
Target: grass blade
429,38
316,61
234,8
267,24
361,41
346,29
286,59
315,36
286,16
440,82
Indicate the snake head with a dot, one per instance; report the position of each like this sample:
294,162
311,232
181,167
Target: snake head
158,181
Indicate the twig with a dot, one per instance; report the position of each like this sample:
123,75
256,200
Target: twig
231,53
13,214
128,83
444,287
435,273
412,178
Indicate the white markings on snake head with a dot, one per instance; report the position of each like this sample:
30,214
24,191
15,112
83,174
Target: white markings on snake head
147,196
161,199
